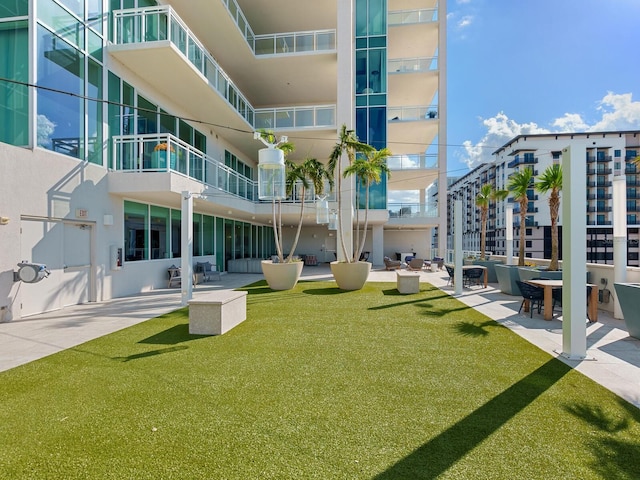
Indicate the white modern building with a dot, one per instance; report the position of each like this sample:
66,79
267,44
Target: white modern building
111,110
605,154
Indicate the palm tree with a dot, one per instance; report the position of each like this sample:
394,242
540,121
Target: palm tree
519,184
485,197
368,170
309,172
551,181
347,144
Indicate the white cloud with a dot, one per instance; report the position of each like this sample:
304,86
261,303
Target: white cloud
500,129
465,21
619,112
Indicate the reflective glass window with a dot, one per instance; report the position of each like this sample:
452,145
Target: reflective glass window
14,98
61,22
135,231
94,112
14,8
160,232
60,116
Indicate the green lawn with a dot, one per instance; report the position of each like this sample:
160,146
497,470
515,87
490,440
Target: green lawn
317,383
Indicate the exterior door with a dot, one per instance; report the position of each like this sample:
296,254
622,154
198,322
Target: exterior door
65,248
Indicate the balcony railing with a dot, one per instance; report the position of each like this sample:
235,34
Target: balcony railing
412,210
280,43
410,65
296,117
295,42
522,161
152,24
166,153
412,162
406,17
412,114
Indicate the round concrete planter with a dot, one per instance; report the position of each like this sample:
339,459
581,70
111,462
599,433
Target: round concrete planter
629,298
350,276
281,276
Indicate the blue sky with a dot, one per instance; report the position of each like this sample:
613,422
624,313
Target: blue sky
533,66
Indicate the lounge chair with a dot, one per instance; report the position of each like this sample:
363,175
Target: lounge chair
450,272
415,264
391,264
472,276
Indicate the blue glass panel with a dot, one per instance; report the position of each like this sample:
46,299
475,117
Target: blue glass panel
14,107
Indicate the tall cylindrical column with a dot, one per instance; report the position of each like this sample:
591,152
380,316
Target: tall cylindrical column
619,234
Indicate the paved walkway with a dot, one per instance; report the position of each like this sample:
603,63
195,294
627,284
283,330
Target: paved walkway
614,357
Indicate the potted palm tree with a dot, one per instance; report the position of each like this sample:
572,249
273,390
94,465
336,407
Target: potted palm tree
284,274
487,195
349,272
368,170
519,185
551,181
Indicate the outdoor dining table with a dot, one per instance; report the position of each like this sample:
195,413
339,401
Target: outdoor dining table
482,267
549,285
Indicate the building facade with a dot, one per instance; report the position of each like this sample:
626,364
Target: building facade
605,154
110,110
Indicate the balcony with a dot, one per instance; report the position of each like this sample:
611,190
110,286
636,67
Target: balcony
313,116
522,161
412,114
413,162
409,17
412,65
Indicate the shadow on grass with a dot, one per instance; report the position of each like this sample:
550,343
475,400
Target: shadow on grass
436,456
616,457
325,291
474,329
393,292
151,353
172,336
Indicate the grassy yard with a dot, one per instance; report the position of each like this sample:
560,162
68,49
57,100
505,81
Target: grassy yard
316,384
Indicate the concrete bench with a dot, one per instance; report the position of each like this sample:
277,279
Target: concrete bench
217,312
407,282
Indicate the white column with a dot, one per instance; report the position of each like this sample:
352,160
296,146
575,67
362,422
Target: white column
574,254
186,231
377,248
345,114
457,246
619,234
508,227
442,128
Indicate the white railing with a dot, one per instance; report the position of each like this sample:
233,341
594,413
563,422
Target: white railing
411,210
405,17
296,117
408,65
152,24
281,43
295,42
409,114
166,153
413,161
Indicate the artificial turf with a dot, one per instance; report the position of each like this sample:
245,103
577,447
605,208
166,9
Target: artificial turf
316,383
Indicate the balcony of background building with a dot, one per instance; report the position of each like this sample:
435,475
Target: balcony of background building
522,161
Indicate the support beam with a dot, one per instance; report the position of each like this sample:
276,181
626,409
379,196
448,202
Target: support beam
574,254
186,249
509,233
457,247
619,233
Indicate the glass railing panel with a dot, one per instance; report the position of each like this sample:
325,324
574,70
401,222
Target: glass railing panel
412,210
326,40
412,113
408,65
265,45
413,161
406,17
326,116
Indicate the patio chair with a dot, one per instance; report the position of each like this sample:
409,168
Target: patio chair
471,276
415,264
556,295
535,296
450,272
391,264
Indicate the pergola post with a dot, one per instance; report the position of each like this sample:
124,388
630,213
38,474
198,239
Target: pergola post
574,255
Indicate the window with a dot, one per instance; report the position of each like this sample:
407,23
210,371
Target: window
14,107
135,231
160,238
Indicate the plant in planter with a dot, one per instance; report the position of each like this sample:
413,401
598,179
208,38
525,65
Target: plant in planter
350,274
368,170
551,181
519,184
